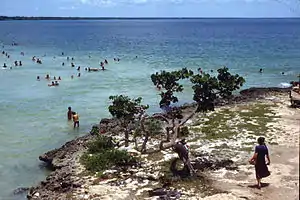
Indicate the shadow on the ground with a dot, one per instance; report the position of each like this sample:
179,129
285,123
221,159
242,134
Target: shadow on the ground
262,185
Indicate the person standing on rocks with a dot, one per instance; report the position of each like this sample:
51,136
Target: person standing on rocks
258,159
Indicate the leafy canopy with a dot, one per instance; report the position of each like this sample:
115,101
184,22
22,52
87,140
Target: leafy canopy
169,82
206,88
126,108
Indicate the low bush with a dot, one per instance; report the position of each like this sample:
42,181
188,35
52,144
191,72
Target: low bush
100,143
102,155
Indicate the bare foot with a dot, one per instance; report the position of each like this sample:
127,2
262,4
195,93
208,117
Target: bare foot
258,186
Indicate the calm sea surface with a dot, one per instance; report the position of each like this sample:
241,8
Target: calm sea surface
33,115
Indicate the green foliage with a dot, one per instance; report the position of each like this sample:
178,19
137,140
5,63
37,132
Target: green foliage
102,155
100,144
206,88
152,126
126,108
169,82
204,94
106,159
228,82
95,130
184,131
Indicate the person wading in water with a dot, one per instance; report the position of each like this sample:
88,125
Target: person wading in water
75,119
69,113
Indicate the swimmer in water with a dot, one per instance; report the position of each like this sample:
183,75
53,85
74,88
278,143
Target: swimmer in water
78,75
200,70
20,63
59,78
4,66
75,119
38,78
52,84
260,70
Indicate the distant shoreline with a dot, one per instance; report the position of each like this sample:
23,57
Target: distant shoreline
7,18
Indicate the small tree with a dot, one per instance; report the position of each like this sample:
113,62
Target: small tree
147,127
126,110
206,90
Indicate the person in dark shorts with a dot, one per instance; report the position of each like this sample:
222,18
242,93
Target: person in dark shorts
259,160
75,119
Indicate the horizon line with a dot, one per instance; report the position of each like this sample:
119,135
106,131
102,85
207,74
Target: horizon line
116,17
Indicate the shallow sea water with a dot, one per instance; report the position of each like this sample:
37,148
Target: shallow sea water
33,115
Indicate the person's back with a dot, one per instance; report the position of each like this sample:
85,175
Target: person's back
180,149
75,119
69,114
261,151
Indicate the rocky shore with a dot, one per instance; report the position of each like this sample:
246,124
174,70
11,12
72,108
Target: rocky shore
211,153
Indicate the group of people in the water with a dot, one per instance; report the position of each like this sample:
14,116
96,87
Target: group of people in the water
55,81
261,71
37,60
16,63
89,69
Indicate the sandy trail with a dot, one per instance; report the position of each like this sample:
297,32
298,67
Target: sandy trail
283,183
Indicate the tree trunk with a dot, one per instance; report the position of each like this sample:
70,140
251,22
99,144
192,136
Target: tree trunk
168,134
126,138
136,144
176,129
142,121
143,150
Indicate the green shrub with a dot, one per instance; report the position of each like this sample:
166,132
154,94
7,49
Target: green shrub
95,130
102,155
100,144
106,159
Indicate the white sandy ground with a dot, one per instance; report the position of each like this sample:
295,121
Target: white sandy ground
283,184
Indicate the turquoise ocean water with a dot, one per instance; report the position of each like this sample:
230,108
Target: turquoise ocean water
33,115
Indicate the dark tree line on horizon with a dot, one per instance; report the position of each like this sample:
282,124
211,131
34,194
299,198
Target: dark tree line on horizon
2,18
